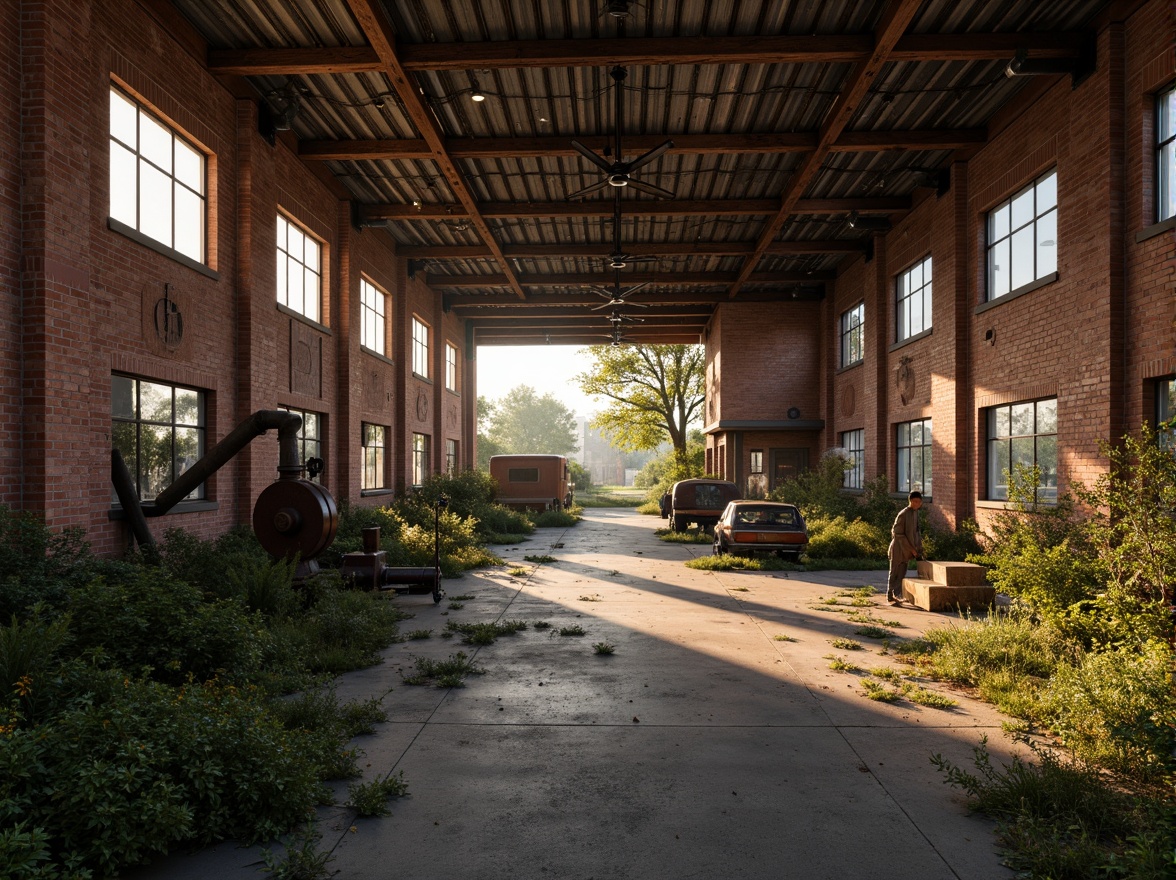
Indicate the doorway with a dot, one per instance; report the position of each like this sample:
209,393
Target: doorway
788,463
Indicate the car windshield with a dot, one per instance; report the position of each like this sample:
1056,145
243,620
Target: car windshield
775,516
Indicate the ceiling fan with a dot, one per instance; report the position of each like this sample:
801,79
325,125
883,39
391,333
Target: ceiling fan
616,318
617,297
617,172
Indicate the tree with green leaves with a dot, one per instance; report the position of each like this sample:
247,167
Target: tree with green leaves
654,393
523,422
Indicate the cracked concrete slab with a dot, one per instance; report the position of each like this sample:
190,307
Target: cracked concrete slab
715,741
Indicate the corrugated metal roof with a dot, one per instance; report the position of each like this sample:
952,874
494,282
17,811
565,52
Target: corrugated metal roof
725,100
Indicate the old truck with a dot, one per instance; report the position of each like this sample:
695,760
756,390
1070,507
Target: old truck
533,482
699,501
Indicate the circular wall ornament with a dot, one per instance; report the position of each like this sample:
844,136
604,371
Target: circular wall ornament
793,412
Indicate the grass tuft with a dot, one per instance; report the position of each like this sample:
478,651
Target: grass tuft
847,644
371,799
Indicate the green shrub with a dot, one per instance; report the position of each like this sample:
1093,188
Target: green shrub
1117,709
948,546
140,618
838,538
36,564
818,491
128,767
555,518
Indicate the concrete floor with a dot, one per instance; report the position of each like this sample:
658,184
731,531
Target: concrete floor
702,748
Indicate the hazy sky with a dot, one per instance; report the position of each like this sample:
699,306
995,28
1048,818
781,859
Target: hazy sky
549,369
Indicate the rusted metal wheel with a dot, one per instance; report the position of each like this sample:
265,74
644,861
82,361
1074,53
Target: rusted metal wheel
295,518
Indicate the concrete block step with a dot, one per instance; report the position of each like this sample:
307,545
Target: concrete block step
953,574
931,596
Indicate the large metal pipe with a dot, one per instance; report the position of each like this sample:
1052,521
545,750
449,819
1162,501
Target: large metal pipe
290,468
128,497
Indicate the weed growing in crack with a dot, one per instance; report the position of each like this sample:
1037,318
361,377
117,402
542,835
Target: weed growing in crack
847,644
574,630
485,633
604,648
371,798
443,673
841,664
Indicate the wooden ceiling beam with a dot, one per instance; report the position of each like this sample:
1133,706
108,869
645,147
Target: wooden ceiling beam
896,18
677,298
714,279
288,62
668,249
570,336
371,18
806,49
699,144
643,208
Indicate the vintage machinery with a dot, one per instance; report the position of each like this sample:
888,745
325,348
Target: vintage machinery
368,570
293,517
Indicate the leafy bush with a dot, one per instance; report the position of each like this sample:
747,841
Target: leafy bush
128,767
838,538
139,699
818,491
1117,709
956,546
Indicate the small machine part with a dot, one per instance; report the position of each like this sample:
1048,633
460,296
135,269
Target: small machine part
367,569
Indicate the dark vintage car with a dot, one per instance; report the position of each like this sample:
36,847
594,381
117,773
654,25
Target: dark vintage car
700,502
750,527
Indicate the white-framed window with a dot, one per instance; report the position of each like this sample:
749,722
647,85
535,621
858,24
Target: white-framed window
757,461
1025,434
310,436
1166,154
159,429
420,458
853,335
420,347
373,307
375,456
451,457
1023,237
1166,411
158,178
913,301
451,366
854,444
913,463
300,272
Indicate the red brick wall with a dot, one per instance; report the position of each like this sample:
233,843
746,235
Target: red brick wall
1092,338
87,288
11,478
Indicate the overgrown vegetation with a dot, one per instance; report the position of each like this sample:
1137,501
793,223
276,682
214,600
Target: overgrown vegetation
1085,655
470,520
143,699
849,531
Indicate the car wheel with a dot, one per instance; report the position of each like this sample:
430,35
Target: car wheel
677,524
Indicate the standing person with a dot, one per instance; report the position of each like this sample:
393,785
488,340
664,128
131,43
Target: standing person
906,543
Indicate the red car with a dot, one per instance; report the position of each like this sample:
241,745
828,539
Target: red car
748,527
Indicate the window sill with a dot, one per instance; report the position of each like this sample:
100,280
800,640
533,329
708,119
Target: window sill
160,248
1155,229
852,366
298,316
417,375
377,355
922,334
454,392
1013,294
116,513
372,493
987,504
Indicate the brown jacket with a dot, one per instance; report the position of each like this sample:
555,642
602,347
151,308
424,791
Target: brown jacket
906,542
